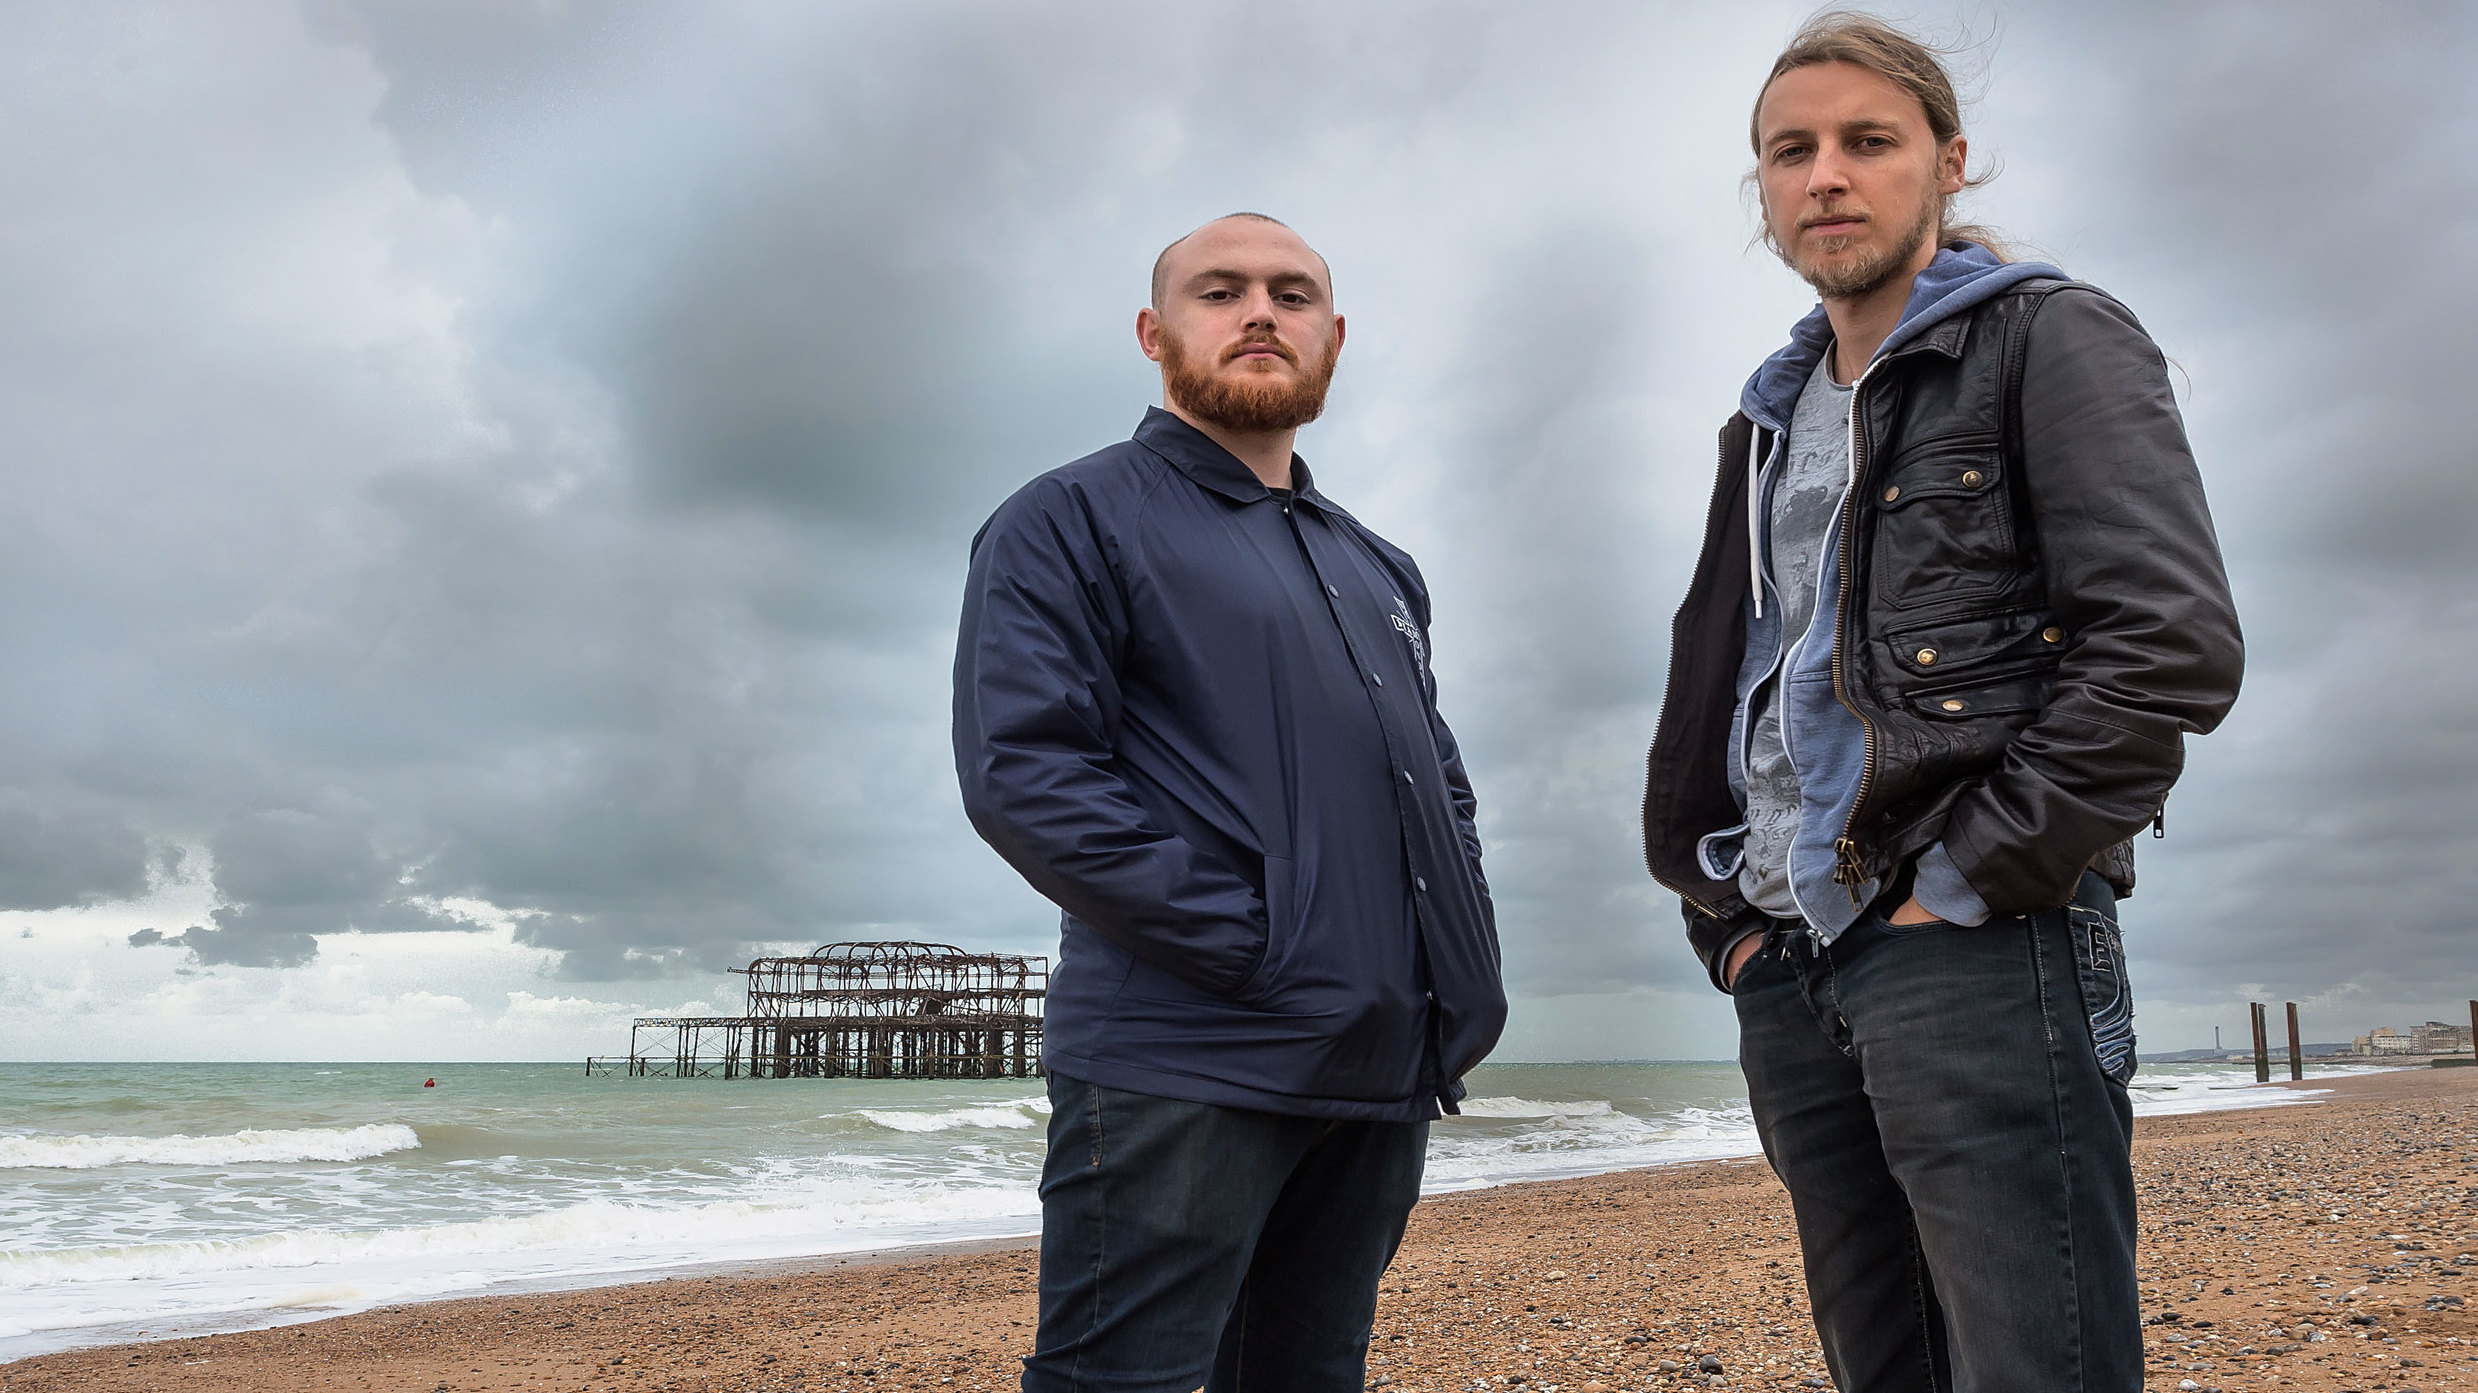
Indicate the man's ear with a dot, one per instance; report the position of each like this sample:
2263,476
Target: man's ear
1955,162
1149,333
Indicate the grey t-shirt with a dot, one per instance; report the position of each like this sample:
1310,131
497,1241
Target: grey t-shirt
1806,492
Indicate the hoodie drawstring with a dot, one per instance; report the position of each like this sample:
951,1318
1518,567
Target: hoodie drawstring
1755,529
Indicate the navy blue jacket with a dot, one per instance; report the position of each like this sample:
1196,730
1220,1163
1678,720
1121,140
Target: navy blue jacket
1197,714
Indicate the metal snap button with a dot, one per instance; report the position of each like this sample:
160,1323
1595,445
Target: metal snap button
1952,703
1971,478
1892,493
2053,635
1927,657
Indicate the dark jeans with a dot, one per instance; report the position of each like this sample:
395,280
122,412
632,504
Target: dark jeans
1184,1244
1947,1107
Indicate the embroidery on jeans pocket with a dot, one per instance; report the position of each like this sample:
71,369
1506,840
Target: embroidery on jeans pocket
2107,998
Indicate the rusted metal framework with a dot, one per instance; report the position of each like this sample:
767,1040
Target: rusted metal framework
859,1010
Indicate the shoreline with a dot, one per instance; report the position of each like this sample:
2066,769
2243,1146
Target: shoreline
338,1297
1548,1279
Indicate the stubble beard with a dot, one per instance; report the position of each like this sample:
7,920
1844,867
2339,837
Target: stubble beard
1250,402
1853,279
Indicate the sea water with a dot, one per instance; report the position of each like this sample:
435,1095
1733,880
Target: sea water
151,1200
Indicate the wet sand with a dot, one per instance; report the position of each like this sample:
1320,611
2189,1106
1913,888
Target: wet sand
2325,1246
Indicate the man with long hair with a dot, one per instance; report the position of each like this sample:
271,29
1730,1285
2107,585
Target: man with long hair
1193,707
1958,606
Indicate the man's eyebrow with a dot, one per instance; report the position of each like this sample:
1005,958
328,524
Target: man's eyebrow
1864,125
1279,278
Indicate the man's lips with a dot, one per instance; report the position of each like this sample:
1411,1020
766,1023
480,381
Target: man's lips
1834,227
1267,351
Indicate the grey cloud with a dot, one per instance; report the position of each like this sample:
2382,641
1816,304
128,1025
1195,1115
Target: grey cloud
62,850
234,946
525,454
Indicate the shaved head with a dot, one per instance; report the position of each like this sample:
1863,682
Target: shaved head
1161,263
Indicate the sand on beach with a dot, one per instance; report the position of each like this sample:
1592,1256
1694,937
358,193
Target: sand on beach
2317,1247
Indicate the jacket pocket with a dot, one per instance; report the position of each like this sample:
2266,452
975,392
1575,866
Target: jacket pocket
1943,523
1149,982
2107,997
2009,698
1984,648
1281,918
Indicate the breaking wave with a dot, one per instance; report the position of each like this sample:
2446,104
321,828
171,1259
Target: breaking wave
1525,1107
1017,1116
595,1235
284,1144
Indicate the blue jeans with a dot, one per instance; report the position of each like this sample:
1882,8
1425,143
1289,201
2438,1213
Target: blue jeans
1947,1108
1184,1244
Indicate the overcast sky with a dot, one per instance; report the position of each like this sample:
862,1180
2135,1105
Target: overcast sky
487,484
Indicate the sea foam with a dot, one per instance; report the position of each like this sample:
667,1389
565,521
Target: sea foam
1525,1107
594,1235
1015,1116
275,1144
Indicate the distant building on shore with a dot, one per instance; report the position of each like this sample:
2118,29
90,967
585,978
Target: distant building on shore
2433,1037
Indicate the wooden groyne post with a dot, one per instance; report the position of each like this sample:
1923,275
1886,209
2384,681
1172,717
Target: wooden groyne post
2262,1042
2297,1052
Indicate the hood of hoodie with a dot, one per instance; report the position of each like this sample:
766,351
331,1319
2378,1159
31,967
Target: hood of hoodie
1962,275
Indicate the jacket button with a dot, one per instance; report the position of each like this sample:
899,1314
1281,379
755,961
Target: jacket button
1376,679
1333,592
1419,885
1406,777
1927,657
1952,703
1892,493
1971,478
2053,635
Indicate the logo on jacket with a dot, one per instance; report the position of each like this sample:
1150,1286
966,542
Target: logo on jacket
1411,634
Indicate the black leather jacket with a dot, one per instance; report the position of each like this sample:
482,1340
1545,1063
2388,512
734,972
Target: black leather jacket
2036,614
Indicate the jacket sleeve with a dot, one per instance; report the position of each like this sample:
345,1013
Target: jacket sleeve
2133,575
1037,702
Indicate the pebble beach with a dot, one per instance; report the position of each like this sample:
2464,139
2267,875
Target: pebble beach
2325,1246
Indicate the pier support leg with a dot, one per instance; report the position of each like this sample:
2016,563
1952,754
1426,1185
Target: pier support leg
2262,1044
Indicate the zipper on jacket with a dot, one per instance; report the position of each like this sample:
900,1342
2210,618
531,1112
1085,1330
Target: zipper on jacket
1849,871
1720,471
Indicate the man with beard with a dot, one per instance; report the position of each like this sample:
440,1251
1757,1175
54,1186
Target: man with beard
1193,707
1959,604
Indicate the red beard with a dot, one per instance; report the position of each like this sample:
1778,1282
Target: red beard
1250,403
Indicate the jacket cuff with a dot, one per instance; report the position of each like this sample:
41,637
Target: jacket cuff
1938,886
1720,960
1713,936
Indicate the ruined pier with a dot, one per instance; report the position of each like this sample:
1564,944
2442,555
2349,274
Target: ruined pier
860,1011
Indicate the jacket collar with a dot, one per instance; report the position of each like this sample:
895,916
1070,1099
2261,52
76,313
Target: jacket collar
1193,453
1962,277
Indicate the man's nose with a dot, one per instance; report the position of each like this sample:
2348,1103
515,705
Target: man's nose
1828,174
1257,309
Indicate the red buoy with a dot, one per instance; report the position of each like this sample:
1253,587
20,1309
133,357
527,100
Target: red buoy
430,1083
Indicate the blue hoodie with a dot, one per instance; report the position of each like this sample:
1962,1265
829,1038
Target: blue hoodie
1827,739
